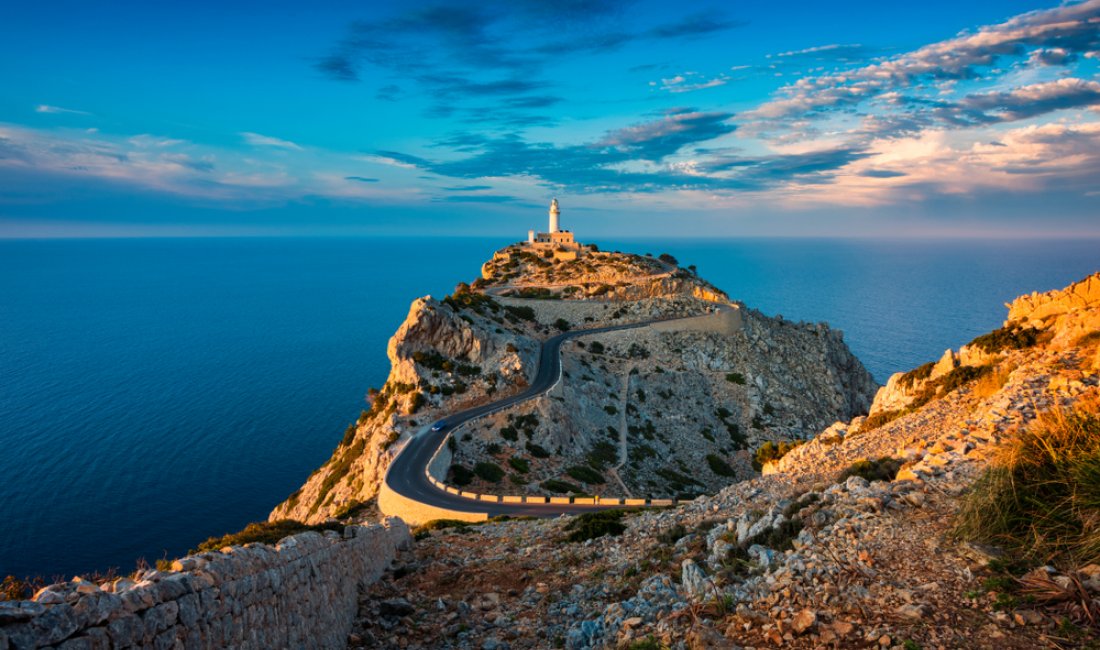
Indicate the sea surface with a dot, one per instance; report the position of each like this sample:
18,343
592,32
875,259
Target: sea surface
155,392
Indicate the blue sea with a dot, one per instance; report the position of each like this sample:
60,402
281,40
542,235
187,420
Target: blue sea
154,392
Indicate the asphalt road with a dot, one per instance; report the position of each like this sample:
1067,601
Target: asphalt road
406,474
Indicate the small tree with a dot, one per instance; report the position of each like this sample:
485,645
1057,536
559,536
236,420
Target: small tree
667,259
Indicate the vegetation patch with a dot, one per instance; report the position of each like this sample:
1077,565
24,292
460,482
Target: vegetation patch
591,525
880,469
559,487
773,451
735,378
519,464
490,472
264,532
603,454
538,451
1040,500
585,474
920,373
460,475
1010,337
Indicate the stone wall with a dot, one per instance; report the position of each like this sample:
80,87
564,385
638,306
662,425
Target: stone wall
300,593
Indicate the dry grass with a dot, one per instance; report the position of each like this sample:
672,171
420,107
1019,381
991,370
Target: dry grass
991,383
1041,497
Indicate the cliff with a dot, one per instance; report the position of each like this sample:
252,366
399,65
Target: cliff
655,411
852,539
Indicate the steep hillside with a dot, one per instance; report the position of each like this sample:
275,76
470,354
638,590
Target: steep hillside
862,537
662,410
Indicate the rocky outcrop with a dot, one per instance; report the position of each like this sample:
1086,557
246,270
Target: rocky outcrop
443,357
674,401
300,593
1059,318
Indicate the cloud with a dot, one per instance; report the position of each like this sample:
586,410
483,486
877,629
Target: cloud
1052,56
692,81
57,110
468,188
834,50
660,138
495,49
1072,28
1035,99
361,179
258,140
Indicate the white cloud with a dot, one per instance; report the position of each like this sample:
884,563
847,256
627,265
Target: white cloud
259,140
57,110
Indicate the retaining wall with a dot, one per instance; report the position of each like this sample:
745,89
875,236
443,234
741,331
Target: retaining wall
301,593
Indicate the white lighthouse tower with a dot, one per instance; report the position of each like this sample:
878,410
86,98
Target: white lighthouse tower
554,215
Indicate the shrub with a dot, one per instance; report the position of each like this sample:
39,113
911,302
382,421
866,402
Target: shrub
538,451
1007,338
719,466
585,474
610,409
591,525
772,451
489,471
520,313
919,373
667,259
880,469
509,433
492,449
882,417
1040,499
603,454
519,464
561,324
595,347
264,532
735,378
460,475
559,487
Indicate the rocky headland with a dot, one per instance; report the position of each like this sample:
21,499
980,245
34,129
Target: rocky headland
660,411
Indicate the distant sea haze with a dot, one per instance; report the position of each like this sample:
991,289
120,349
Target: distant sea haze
157,392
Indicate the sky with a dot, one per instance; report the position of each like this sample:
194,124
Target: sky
689,119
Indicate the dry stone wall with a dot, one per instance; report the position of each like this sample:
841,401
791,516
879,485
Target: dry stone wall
300,593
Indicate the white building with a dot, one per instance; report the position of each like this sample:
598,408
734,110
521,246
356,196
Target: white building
562,242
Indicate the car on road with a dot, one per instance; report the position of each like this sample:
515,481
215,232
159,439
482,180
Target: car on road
440,426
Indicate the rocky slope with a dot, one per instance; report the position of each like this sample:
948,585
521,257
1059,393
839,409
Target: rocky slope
659,410
805,556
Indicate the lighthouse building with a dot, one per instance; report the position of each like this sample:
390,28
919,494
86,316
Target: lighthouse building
560,241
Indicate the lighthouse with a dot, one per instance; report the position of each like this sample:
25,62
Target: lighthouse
554,216
556,243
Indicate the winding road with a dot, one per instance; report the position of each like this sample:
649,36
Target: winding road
407,474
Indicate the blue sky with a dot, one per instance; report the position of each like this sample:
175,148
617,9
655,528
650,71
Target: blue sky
648,118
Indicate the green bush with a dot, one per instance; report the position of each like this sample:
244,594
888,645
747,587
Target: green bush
487,471
880,469
772,451
538,451
520,313
1040,499
1010,337
562,324
509,433
519,464
595,347
719,466
585,474
603,454
916,374
591,525
560,487
735,378
460,475
265,532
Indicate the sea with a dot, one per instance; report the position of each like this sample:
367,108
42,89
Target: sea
155,392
